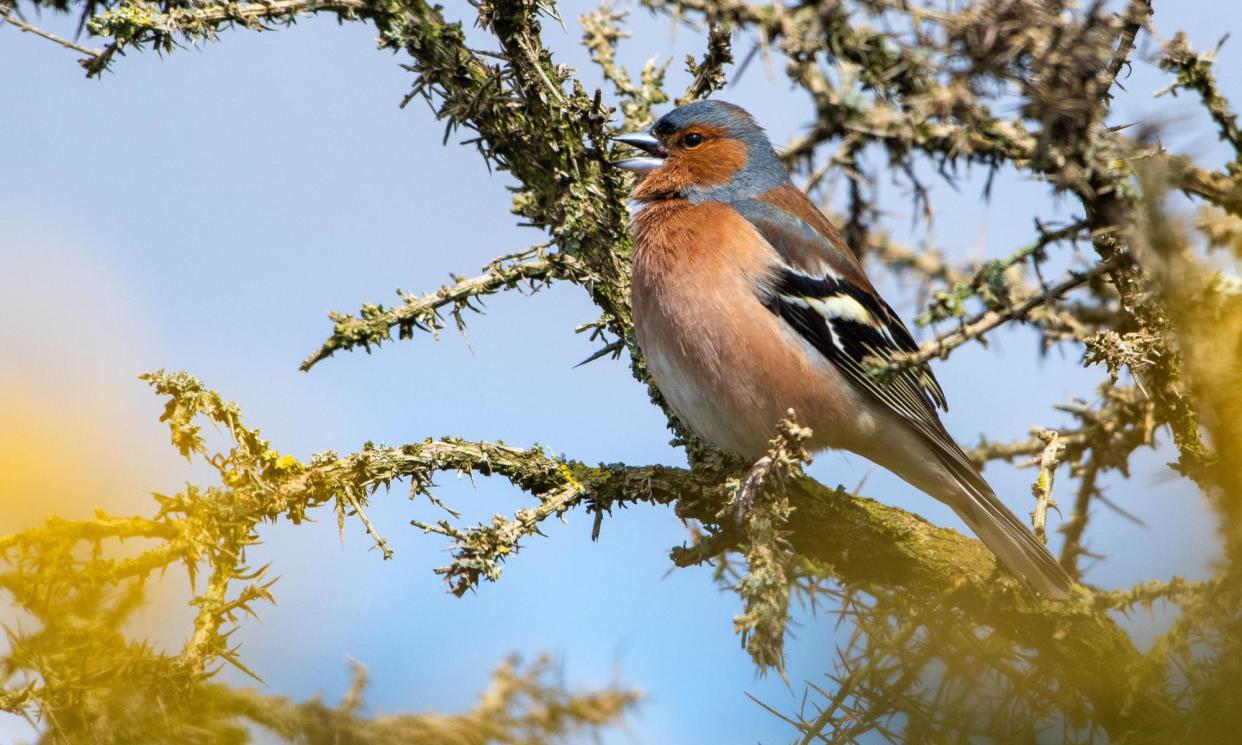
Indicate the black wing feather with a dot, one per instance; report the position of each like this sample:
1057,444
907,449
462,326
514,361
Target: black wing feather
847,324
826,312
847,342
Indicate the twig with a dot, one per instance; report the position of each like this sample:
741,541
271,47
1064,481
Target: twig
380,543
708,74
1054,449
1194,72
1076,526
197,20
374,323
991,275
984,322
7,14
1137,15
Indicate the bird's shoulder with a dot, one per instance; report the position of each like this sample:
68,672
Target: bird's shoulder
805,239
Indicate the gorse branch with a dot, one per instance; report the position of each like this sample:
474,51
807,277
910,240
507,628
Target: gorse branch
601,33
524,705
81,674
529,270
7,14
1194,72
975,328
762,504
942,647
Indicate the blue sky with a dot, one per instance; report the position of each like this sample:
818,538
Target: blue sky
205,210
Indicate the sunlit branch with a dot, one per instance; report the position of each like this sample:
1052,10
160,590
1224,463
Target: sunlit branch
524,699
132,25
532,269
1049,459
1194,72
981,324
1145,595
601,33
869,546
6,12
913,593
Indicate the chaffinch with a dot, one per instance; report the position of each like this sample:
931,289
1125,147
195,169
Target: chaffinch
747,302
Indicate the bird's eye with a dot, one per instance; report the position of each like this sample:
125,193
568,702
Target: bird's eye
694,139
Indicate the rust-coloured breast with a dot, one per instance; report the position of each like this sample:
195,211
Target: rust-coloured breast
728,367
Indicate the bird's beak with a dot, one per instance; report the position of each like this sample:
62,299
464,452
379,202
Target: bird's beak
646,143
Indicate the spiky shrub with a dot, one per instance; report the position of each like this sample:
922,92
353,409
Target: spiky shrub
943,648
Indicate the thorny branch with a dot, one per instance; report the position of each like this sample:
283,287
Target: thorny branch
531,270
920,86
1049,459
762,504
976,327
1194,72
6,12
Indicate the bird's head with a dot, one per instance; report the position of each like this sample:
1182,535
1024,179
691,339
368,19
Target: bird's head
707,150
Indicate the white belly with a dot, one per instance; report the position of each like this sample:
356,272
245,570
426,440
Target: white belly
697,402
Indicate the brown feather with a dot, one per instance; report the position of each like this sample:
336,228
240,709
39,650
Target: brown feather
791,199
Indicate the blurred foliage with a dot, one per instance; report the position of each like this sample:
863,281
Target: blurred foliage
943,647
73,662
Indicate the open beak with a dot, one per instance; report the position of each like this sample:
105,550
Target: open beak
646,143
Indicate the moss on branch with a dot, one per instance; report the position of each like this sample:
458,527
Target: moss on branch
869,545
917,595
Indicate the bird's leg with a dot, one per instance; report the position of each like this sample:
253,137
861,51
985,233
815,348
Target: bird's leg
748,490
782,463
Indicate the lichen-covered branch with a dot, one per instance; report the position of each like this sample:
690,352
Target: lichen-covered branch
863,544
75,668
1049,459
1104,438
524,705
138,24
601,33
917,86
7,14
1194,72
978,326
762,505
530,270
708,76
992,281
869,547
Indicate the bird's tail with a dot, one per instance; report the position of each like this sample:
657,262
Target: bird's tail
962,487
935,464
1012,542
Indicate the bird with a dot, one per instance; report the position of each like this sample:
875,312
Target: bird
747,302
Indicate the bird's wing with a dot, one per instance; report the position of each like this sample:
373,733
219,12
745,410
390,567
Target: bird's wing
821,291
